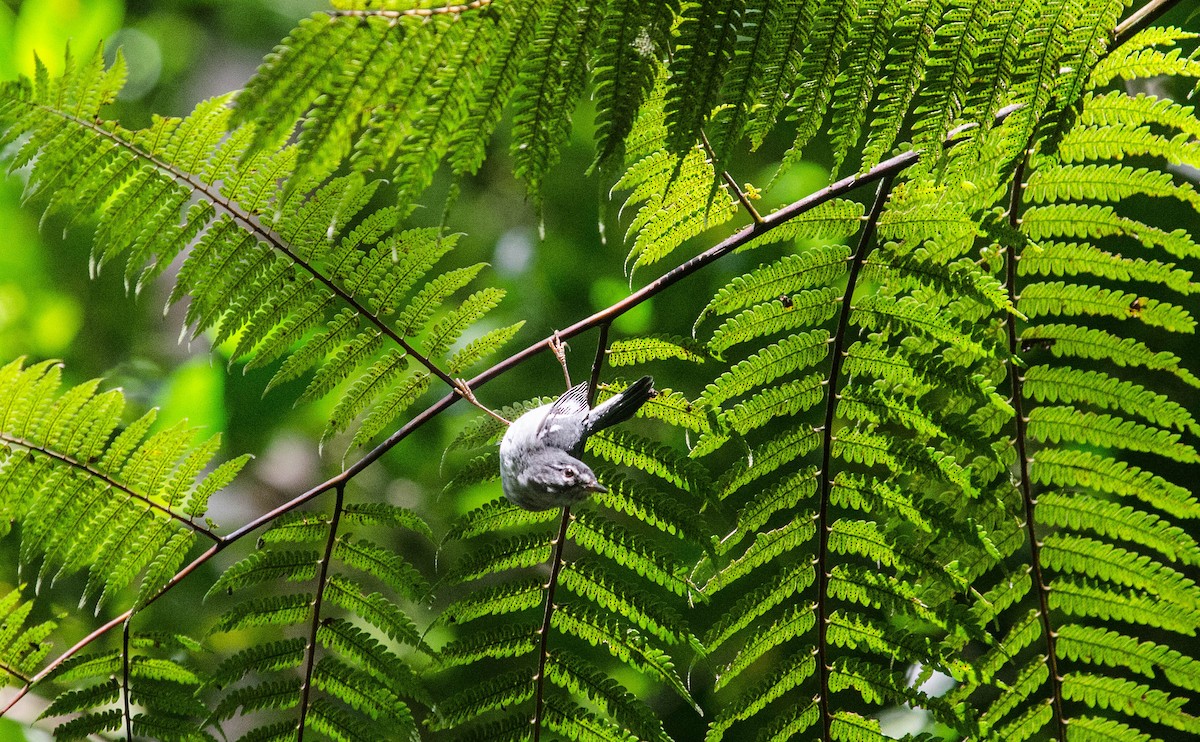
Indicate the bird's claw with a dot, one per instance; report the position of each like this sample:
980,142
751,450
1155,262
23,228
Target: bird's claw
559,349
464,390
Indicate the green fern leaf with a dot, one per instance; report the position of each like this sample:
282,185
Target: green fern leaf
708,33
1133,698
794,353
625,644
797,311
1056,298
22,648
1067,468
1073,258
575,674
1064,423
1079,342
1080,512
1082,555
638,351
1069,385
1092,599
787,675
809,269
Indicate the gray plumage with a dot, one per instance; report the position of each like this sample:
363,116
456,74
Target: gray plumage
538,465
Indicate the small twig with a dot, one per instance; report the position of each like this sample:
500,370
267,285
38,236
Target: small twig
8,669
310,649
464,390
1139,19
539,679
837,353
747,204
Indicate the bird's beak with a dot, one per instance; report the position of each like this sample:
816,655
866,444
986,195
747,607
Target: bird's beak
596,487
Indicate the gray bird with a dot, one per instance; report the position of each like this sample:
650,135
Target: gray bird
538,465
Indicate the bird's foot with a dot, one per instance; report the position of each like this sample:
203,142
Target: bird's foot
559,349
464,390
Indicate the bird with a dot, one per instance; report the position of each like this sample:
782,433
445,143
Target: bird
539,464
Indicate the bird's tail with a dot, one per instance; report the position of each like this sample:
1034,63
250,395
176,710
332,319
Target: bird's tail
621,407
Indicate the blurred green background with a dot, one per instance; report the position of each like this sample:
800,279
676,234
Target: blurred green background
182,51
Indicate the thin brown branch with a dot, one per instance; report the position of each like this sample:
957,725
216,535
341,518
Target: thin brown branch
539,679
1139,19
310,649
109,481
447,9
1027,498
837,353
744,199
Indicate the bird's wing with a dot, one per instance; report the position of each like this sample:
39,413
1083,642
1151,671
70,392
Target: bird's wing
562,427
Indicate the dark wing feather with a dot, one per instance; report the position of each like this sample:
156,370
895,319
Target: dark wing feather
563,425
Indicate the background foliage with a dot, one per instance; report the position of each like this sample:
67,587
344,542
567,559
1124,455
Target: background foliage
929,565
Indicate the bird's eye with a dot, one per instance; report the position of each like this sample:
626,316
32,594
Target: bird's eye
570,472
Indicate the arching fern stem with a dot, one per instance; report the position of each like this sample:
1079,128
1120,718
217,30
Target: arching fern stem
125,662
865,241
310,649
556,562
539,679
1030,504
887,168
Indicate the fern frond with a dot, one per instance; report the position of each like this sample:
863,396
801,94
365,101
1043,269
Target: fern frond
787,675
1058,423
633,40
811,268
551,80
1122,523
1092,599
162,691
797,622
1074,468
794,353
1056,298
1074,258
1096,559
653,458
641,350
118,505
757,602
787,312
607,539
22,648
583,680
1135,699
1072,341
1098,389
674,192
708,34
